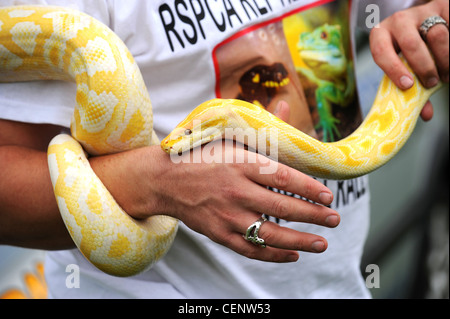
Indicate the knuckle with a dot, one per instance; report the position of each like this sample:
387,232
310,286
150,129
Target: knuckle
228,217
400,17
217,237
282,178
308,190
233,193
280,208
376,48
379,46
269,237
377,37
299,244
315,216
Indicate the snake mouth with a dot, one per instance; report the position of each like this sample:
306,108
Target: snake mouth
168,143
182,139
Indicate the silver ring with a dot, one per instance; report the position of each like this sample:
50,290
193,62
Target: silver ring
429,23
252,233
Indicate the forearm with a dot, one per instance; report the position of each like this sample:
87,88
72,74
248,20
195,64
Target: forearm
218,200
29,216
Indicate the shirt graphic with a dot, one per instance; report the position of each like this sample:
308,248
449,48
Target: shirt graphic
303,57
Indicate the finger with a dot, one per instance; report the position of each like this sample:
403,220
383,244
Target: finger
286,238
277,236
270,254
233,238
438,42
420,59
282,244
291,208
290,180
427,112
282,111
405,31
386,57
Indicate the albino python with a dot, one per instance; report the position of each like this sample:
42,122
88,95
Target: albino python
113,114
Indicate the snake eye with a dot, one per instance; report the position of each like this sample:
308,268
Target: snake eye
188,132
324,35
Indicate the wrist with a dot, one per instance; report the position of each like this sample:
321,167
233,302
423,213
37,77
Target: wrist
130,177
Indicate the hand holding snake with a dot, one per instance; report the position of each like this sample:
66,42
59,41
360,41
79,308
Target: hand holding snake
428,58
106,235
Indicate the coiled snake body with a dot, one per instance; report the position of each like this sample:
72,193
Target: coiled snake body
113,114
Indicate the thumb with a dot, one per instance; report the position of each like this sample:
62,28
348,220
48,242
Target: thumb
282,111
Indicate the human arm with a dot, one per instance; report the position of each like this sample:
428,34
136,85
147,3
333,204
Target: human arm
400,32
29,216
145,182
221,199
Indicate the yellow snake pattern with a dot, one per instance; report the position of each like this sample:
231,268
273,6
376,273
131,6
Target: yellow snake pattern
113,114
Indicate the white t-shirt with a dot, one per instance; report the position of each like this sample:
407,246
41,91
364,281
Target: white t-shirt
189,52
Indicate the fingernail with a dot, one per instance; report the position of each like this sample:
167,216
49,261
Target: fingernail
318,246
406,82
325,198
431,82
332,220
292,258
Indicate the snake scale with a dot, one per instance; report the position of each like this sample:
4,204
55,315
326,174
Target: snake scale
113,114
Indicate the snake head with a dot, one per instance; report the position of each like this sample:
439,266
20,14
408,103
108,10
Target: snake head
206,123
184,139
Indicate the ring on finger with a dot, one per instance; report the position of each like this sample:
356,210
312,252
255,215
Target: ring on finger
429,23
252,233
